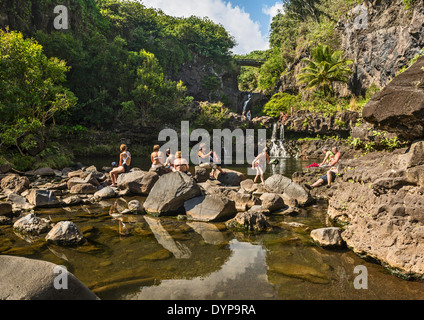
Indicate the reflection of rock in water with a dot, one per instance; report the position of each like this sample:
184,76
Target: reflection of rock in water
209,232
180,251
247,264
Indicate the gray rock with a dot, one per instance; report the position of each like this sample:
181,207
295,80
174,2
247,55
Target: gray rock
272,201
210,208
42,198
201,174
65,233
250,221
29,279
31,224
19,202
230,178
44,172
137,182
135,206
105,193
72,200
170,192
278,183
328,237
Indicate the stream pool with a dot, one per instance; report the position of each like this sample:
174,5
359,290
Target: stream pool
167,258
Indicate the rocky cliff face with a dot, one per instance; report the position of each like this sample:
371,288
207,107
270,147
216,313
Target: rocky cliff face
399,107
206,81
381,37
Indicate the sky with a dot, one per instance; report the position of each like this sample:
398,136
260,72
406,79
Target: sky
248,21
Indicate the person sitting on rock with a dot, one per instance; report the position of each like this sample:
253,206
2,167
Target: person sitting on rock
156,157
330,176
180,164
170,158
124,164
203,156
329,155
215,163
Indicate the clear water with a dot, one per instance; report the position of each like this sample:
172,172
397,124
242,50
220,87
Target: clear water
165,258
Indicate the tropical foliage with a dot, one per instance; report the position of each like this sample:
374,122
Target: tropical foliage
325,68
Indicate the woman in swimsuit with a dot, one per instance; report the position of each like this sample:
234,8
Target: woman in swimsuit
124,164
259,164
180,164
156,157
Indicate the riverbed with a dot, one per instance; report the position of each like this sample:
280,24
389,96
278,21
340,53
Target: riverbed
142,257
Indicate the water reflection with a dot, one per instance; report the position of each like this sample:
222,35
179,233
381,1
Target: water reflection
209,232
245,269
179,250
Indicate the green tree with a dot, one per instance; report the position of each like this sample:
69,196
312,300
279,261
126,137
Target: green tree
31,90
324,69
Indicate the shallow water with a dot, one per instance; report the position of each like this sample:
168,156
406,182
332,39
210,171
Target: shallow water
166,258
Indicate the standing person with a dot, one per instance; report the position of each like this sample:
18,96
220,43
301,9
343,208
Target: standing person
259,164
155,157
124,164
215,162
180,164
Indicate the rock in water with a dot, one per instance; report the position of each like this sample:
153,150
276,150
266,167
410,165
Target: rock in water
210,208
65,233
230,178
170,192
278,183
42,198
135,206
30,224
250,221
328,237
105,193
272,201
29,279
399,107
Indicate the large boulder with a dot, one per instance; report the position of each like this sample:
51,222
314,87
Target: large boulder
65,233
42,198
137,182
170,192
31,224
278,183
229,177
328,237
399,107
15,183
210,208
29,279
272,201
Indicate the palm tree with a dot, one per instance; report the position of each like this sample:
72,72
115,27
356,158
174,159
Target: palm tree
324,69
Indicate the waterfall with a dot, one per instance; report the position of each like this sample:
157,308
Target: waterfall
277,149
249,97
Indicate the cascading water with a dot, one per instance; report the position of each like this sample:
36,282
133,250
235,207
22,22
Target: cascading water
277,149
249,97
